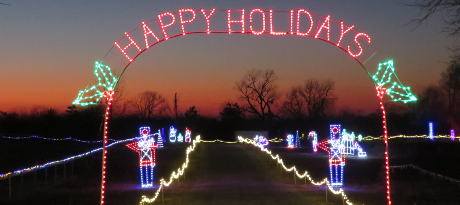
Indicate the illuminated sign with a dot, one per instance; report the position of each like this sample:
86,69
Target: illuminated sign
300,22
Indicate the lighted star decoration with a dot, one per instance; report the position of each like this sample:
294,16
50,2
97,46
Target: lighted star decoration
385,77
106,81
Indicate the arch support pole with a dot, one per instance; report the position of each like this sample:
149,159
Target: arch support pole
380,93
109,97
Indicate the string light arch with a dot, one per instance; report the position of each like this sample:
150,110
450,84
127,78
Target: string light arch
300,22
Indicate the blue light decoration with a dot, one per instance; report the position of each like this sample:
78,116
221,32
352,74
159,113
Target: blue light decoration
172,134
261,140
335,131
336,157
159,139
452,134
314,142
431,130
180,138
188,135
290,141
297,140
145,146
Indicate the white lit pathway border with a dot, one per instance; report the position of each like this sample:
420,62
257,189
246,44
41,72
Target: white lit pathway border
179,172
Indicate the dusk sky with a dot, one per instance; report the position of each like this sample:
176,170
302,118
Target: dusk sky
48,48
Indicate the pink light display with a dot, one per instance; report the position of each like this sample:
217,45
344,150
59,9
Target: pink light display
188,135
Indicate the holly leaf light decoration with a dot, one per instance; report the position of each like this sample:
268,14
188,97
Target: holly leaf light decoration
106,81
385,77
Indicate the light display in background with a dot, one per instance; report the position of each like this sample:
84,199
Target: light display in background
350,144
261,140
180,137
145,146
431,130
188,135
314,142
159,139
452,134
297,140
172,134
290,141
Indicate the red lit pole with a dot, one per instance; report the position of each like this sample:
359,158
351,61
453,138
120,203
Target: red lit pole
109,96
380,93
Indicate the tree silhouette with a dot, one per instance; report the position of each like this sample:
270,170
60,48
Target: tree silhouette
258,92
150,104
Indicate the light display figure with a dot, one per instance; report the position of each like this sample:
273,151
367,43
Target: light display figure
261,140
145,146
180,138
172,134
290,141
314,137
452,134
159,139
431,130
339,145
188,135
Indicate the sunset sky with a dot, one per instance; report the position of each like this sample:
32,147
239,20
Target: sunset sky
48,48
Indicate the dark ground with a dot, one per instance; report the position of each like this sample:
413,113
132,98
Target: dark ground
229,174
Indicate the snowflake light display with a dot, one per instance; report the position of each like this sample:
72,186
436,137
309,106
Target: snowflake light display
145,146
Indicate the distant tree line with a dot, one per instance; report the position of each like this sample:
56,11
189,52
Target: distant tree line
259,106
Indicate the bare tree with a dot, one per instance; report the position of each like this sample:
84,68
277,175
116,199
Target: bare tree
150,104
450,10
294,105
258,92
311,99
450,82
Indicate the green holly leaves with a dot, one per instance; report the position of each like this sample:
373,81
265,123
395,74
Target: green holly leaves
106,81
385,77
